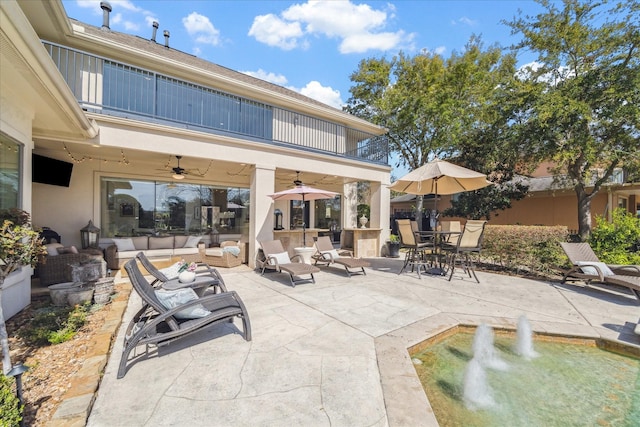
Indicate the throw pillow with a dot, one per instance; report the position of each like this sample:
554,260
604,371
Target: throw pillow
282,258
124,245
172,271
69,250
590,268
52,248
329,254
192,241
172,299
233,250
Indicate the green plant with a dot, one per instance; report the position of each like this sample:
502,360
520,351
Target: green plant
394,238
616,242
20,245
54,325
10,408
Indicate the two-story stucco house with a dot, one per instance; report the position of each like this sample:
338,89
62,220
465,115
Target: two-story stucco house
144,139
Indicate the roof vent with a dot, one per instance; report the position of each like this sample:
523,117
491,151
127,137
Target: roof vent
106,8
155,30
166,38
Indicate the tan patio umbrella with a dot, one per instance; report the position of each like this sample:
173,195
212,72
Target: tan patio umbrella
304,193
440,177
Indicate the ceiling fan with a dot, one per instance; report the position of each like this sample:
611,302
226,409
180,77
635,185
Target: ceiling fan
178,172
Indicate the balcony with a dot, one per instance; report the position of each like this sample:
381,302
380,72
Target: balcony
108,87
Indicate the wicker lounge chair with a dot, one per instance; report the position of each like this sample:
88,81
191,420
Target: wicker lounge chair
155,324
326,255
588,268
206,277
276,258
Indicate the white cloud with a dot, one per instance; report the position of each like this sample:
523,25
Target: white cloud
277,79
324,94
359,27
200,27
465,21
360,43
440,50
273,31
131,26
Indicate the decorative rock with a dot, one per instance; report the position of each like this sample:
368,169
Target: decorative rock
59,292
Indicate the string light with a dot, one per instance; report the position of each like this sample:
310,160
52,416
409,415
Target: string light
239,173
196,171
123,159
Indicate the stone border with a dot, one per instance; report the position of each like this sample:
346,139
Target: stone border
78,400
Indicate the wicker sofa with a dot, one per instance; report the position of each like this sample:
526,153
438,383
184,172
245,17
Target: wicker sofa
166,247
54,269
229,254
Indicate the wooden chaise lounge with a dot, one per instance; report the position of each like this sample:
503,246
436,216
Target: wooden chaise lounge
326,255
277,258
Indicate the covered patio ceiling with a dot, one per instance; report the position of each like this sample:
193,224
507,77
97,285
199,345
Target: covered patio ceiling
156,165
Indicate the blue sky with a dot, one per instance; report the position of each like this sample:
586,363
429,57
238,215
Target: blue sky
311,47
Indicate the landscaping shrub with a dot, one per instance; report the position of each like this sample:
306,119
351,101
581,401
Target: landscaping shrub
617,242
521,247
10,410
54,325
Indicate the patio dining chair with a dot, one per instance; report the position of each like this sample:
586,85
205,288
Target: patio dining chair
418,255
167,316
326,254
469,242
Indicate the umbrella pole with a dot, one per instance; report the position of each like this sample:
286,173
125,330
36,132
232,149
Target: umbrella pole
304,224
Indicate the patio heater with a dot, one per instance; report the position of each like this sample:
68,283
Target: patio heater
90,236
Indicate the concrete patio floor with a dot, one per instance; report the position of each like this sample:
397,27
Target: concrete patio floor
334,353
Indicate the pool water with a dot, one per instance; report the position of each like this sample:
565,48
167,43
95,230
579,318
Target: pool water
566,385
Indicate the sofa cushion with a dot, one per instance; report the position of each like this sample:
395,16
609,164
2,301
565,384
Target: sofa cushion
52,248
161,242
69,250
192,242
180,241
141,243
124,245
214,252
185,251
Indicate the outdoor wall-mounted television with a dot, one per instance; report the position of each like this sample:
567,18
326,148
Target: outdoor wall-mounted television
51,171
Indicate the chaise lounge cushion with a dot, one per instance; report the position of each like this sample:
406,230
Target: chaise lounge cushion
590,267
172,299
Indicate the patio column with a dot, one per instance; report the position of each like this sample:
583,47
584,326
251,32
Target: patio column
263,181
350,206
380,208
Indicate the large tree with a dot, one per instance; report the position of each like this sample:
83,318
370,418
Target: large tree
586,118
437,107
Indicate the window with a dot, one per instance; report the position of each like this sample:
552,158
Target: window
328,213
135,208
623,202
10,161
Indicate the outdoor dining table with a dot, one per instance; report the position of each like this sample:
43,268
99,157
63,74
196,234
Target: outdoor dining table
437,237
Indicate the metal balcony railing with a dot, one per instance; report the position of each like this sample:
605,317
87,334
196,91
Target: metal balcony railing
109,87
